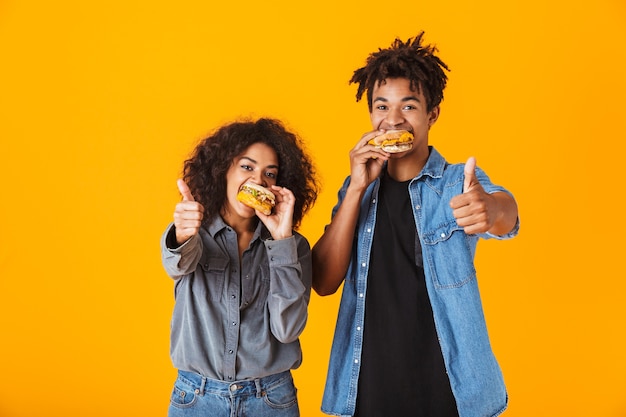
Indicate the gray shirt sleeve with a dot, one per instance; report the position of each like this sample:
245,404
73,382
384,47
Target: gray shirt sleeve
181,260
290,286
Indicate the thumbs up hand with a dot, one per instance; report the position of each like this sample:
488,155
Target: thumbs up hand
184,190
475,210
470,175
188,214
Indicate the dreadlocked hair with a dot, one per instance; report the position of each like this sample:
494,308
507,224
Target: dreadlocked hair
205,171
411,60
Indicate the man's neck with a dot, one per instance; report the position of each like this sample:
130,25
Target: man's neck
404,169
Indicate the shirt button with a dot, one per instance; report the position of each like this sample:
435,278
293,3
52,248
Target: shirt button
233,296
363,264
272,258
417,207
443,235
361,295
356,361
369,230
231,351
234,323
359,328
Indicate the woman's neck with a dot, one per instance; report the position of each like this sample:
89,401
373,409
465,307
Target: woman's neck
244,227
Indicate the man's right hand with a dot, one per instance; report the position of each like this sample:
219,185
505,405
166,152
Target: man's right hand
366,161
188,214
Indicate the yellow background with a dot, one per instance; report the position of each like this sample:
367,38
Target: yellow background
101,101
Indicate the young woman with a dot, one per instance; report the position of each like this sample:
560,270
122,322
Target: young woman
242,277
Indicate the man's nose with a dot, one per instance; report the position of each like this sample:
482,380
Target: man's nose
394,119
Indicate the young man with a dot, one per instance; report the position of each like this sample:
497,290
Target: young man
411,338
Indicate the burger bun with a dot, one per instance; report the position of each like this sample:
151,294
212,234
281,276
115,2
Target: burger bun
393,141
257,197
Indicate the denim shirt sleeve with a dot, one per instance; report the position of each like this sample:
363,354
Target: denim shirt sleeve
491,188
340,195
290,286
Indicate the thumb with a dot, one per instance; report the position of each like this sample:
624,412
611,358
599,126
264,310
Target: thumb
184,190
470,174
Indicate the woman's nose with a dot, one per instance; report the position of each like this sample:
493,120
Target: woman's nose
259,178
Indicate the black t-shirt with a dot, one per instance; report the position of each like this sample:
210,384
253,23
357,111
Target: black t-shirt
402,370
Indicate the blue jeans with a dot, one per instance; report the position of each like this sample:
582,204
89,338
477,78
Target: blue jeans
198,396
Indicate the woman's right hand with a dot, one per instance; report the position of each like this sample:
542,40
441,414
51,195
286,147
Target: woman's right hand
188,214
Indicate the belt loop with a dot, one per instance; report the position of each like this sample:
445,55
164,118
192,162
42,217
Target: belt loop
259,389
202,385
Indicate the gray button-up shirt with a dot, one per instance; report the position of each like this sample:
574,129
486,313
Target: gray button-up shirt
236,321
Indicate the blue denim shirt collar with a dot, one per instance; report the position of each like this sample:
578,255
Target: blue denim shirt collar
435,165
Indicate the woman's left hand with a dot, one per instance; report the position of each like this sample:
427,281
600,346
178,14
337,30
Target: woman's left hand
280,221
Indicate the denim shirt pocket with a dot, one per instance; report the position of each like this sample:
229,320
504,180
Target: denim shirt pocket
215,271
448,256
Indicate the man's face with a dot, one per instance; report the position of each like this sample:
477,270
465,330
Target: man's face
396,106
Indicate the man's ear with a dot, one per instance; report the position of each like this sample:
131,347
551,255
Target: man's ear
433,116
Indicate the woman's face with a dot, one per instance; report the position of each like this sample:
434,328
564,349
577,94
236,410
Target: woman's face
258,164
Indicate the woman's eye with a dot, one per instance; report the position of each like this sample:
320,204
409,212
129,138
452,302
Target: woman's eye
271,175
247,167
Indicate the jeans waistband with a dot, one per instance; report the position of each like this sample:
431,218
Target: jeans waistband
257,386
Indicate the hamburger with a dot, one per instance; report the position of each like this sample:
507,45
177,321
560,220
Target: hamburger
257,197
393,141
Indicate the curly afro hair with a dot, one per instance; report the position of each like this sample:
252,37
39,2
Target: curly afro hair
205,170
411,60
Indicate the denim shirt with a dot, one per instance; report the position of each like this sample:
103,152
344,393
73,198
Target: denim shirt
448,259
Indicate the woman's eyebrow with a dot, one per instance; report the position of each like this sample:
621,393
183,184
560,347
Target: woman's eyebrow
247,158
255,162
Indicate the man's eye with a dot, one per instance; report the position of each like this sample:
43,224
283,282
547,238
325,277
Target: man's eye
381,107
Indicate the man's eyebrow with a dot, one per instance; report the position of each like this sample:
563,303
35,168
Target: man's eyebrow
407,98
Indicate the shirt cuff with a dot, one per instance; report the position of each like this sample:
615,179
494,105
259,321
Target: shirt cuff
171,244
282,252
